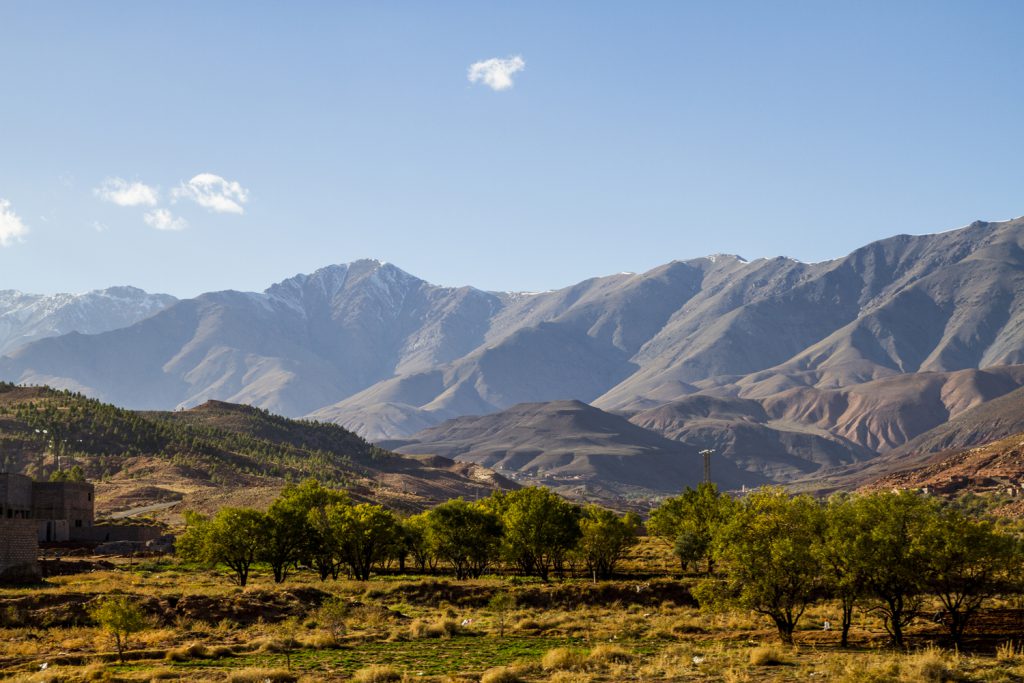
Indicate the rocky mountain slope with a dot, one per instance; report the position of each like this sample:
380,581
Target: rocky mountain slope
817,365
996,467
25,318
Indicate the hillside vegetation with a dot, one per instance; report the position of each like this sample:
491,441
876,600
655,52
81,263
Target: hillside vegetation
139,458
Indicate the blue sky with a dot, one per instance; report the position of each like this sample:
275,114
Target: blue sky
636,133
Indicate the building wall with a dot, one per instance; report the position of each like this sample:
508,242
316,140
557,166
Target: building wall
53,530
68,500
15,496
18,551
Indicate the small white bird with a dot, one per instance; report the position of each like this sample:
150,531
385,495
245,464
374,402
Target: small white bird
698,660
43,666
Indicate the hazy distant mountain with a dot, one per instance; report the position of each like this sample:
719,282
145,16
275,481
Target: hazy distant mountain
845,358
574,447
27,317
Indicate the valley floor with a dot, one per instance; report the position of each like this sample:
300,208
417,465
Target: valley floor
202,628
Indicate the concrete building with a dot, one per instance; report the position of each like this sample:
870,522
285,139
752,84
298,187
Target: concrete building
62,508
58,509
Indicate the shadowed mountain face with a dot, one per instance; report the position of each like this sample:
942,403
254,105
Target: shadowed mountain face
575,447
843,359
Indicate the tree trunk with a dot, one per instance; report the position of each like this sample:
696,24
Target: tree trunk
785,627
844,640
896,621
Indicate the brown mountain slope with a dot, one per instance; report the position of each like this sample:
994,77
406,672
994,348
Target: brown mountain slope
989,421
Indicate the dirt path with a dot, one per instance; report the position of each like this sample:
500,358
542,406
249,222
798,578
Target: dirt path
134,512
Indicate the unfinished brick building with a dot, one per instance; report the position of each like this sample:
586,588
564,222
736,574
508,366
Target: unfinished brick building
33,511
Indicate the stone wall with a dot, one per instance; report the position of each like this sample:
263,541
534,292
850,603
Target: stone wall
19,551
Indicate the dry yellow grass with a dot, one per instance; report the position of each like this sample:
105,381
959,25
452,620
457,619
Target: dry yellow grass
562,658
767,655
255,675
502,674
610,654
377,674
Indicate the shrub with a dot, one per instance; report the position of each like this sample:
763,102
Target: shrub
187,653
767,655
120,617
610,654
1009,652
255,675
377,674
502,674
562,658
570,677
928,666
528,625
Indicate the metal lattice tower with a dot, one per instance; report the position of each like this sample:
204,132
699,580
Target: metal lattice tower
707,453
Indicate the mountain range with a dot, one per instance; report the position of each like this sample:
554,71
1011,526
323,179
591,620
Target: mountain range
25,318
786,368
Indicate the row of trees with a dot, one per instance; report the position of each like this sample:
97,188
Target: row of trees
533,530
776,554
769,552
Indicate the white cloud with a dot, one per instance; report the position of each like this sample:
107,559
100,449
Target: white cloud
99,227
496,73
162,219
12,229
121,192
214,193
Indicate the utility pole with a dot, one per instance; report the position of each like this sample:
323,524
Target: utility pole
707,453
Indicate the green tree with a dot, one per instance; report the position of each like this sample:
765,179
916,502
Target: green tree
604,539
688,523
846,568
502,604
120,617
890,541
465,534
414,530
363,535
767,549
76,473
540,528
291,534
234,537
967,563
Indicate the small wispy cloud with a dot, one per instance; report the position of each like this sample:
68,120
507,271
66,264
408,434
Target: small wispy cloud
12,229
214,193
163,219
496,73
99,226
123,193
